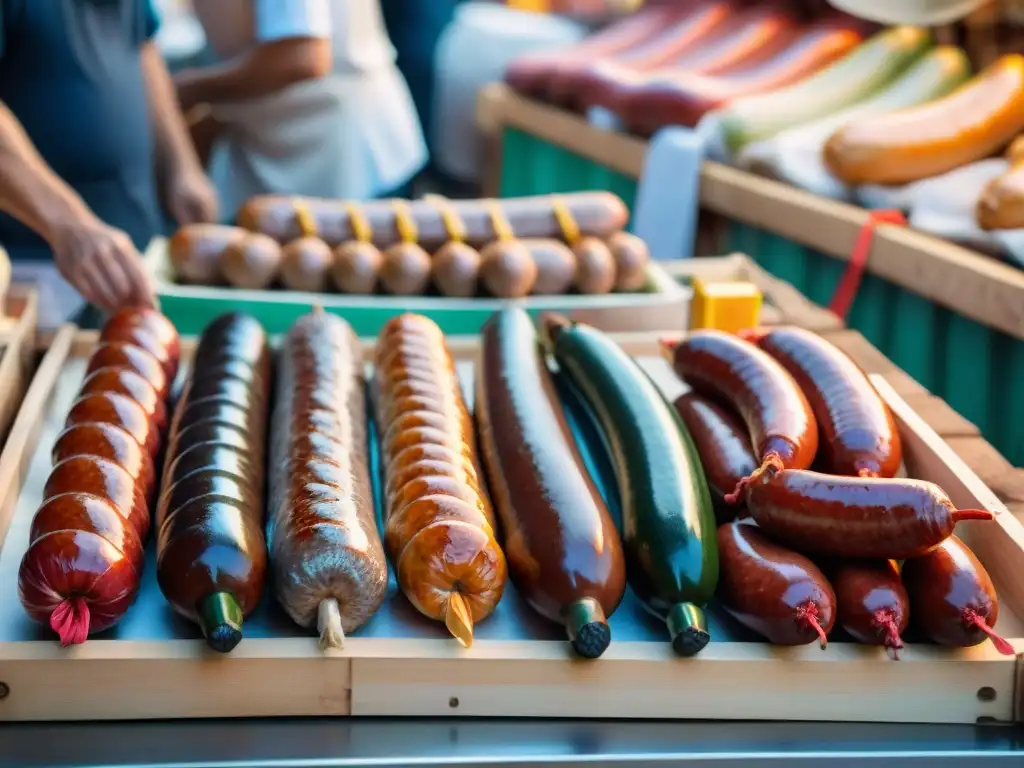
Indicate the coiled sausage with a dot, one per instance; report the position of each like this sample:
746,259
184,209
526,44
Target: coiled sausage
325,552
211,553
439,525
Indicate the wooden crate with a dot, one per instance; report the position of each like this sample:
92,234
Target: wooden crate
399,664
660,306
17,350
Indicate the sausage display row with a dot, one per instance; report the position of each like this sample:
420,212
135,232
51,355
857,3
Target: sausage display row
266,486
466,264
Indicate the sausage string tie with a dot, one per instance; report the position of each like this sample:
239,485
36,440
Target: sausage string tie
304,218
405,224
566,221
459,620
885,622
70,620
974,619
328,624
358,223
771,465
499,222
807,614
454,226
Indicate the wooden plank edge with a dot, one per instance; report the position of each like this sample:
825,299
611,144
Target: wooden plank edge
18,354
970,283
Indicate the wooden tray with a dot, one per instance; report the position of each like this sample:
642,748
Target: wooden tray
661,306
17,350
153,665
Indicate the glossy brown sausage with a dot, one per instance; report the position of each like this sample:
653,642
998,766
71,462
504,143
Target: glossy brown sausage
356,267
122,355
103,478
114,408
325,552
439,525
562,547
306,265
872,601
148,329
252,262
111,442
211,553
195,251
775,592
127,382
600,214
507,269
455,270
854,517
860,436
952,597
723,445
778,417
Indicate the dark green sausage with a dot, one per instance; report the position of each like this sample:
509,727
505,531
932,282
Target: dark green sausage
668,520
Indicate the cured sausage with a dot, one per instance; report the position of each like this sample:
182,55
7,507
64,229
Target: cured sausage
854,517
860,436
195,251
872,602
724,447
81,570
775,592
439,525
211,553
952,597
1001,205
969,124
252,262
306,265
320,499
356,267
597,214
124,381
455,270
778,417
631,256
507,269
563,550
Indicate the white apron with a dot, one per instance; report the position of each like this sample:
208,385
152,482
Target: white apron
352,134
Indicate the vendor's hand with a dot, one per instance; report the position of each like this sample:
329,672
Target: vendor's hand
190,197
101,263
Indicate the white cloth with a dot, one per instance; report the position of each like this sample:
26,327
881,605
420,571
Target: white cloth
351,134
59,302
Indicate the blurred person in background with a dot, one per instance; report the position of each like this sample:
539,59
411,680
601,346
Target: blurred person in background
305,100
91,137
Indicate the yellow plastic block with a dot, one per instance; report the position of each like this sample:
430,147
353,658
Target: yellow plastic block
728,307
536,6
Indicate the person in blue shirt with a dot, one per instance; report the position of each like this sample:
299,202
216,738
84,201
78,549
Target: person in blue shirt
92,141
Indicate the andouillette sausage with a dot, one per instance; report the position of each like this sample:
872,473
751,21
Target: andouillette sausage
563,550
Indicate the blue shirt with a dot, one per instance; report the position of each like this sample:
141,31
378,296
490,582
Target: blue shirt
71,72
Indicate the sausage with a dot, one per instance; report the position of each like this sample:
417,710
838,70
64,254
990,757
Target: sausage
556,266
631,257
320,495
306,264
872,602
595,267
854,517
439,525
563,551
775,592
724,447
195,251
859,434
148,329
211,552
405,269
114,408
134,358
356,267
776,412
253,262
952,597
82,567
600,214
455,270
1001,204
125,381
507,269
686,98
969,124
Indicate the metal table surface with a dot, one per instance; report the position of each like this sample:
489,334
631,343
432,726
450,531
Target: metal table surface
520,743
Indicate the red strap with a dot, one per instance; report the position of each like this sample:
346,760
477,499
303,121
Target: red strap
846,291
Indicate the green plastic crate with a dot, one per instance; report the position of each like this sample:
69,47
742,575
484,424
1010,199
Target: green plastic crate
972,367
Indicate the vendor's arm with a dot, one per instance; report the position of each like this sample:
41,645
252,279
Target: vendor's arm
98,260
187,193
294,44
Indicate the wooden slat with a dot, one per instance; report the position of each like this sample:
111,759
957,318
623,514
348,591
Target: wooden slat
17,351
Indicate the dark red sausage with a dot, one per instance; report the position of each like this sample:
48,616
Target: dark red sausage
781,425
119,354
108,441
724,447
103,478
114,408
872,601
860,436
775,592
148,329
129,383
854,517
952,597
83,511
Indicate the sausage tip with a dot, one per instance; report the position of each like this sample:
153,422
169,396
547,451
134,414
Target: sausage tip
328,624
459,619
971,514
220,618
807,614
885,620
771,466
70,620
588,628
974,619
687,626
